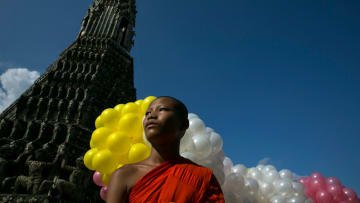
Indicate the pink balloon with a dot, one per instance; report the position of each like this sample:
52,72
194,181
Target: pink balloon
103,192
340,198
309,192
316,175
322,196
349,193
317,183
332,181
304,180
351,201
334,189
97,179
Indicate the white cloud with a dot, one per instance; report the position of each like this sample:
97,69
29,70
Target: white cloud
15,81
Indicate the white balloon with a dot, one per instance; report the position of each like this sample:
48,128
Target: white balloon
218,161
260,167
192,115
209,130
268,168
232,198
251,184
219,174
228,164
202,145
253,195
260,184
240,169
196,126
308,200
254,173
283,186
270,176
262,199
298,187
220,156
207,163
189,155
286,174
188,133
296,199
187,144
277,199
216,142
266,188
248,199
234,183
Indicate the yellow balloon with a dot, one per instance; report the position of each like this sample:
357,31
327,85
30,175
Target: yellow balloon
119,107
137,135
119,166
138,152
139,102
129,122
118,142
118,138
98,137
130,107
149,99
103,161
99,122
145,104
105,178
110,117
88,157
121,159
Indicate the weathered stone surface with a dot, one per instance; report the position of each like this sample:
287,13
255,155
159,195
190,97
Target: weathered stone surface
45,133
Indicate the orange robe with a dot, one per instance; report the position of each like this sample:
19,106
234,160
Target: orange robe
177,181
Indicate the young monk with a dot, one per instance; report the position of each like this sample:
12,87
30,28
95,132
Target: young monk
165,176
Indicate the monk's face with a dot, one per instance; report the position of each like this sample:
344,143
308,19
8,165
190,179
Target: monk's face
162,123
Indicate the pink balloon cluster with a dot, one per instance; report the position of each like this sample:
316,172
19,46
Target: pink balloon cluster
327,190
97,180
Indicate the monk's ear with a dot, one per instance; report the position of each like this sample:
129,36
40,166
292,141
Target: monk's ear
185,124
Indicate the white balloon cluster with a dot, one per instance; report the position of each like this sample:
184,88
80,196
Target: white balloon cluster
203,146
260,184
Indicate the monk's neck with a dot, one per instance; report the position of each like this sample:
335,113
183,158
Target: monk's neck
160,156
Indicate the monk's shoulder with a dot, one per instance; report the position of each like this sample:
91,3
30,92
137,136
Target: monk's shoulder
131,173
124,172
128,170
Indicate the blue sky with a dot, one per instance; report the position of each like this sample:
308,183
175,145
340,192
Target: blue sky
277,79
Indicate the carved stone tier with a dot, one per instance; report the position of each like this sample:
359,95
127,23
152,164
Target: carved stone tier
45,132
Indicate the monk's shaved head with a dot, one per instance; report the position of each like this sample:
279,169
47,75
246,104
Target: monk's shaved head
181,109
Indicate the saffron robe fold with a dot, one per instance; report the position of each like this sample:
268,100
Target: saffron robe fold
179,181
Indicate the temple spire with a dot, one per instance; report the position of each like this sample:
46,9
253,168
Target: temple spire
46,131
113,20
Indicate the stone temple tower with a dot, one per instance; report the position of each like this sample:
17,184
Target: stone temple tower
45,132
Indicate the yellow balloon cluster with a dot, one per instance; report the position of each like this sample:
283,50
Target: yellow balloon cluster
118,138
